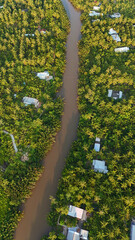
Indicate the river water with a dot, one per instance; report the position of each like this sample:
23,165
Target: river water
34,224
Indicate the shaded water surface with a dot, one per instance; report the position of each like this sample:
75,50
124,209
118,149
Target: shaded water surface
34,224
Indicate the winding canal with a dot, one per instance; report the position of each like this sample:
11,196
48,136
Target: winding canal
34,224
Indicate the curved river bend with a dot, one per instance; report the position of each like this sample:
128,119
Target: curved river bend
34,224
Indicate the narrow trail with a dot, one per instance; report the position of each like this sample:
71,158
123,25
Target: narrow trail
34,224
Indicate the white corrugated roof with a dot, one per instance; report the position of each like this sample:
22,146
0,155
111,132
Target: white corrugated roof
29,100
97,8
122,49
30,34
75,212
109,92
114,35
93,13
43,75
73,235
84,234
97,147
99,166
132,231
97,139
116,15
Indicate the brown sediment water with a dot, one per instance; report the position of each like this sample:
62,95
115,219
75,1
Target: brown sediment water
34,224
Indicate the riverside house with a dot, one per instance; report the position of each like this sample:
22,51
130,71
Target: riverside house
78,213
44,75
28,101
115,15
121,49
93,13
115,94
99,166
75,233
114,35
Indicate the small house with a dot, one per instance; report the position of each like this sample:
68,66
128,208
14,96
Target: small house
115,15
96,8
1,7
30,34
99,166
115,94
78,213
114,35
93,13
43,31
44,75
95,20
132,237
75,233
122,49
28,101
97,145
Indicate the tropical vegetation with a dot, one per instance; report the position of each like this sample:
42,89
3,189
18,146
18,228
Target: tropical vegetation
32,39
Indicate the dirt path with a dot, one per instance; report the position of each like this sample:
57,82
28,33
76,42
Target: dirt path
34,224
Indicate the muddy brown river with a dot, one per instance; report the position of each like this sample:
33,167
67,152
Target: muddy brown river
34,224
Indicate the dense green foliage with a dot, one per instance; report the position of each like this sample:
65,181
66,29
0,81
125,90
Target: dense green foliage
109,198
34,129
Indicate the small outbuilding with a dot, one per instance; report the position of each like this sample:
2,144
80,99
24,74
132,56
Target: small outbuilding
115,15
95,20
75,233
97,145
121,49
132,234
30,34
1,7
96,8
99,166
28,101
114,35
44,75
115,94
93,13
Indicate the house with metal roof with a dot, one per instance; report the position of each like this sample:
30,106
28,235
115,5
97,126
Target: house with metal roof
121,49
132,233
28,101
96,8
114,35
44,75
97,144
93,13
78,213
115,15
99,166
95,20
75,233
30,34
115,94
